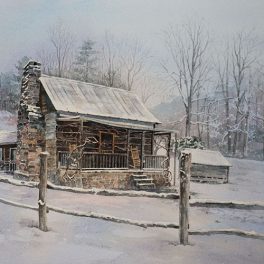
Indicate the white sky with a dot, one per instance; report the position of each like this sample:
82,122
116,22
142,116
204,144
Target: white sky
24,23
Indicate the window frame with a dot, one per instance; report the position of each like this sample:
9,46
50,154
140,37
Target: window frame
100,142
10,151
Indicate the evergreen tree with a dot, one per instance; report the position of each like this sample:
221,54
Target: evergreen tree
85,63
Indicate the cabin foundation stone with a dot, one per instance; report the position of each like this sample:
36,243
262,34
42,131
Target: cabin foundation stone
108,179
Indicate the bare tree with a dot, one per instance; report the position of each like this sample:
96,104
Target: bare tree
223,73
148,88
187,48
133,61
242,59
48,62
110,62
62,42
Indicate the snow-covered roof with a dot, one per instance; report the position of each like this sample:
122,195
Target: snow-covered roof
70,96
7,137
208,157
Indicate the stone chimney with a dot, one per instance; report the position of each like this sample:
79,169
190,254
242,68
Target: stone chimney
30,126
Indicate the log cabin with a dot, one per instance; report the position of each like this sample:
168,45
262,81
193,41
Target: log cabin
8,144
96,136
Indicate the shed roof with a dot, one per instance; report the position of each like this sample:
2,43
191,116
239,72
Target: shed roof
7,137
70,96
208,157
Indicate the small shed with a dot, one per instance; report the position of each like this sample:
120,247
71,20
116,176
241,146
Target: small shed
8,144
209,166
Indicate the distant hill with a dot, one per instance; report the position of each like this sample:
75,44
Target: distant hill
8,121
172,110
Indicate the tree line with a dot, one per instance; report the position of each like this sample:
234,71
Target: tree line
221,89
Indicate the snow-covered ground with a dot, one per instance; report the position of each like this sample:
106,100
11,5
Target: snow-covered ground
246,183
83,240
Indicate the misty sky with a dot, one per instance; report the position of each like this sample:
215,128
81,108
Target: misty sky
25,23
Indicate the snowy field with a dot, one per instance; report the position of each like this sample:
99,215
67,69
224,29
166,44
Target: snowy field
83,240
246,183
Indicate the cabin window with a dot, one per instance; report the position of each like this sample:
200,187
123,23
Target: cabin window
1,154
12,154
107,142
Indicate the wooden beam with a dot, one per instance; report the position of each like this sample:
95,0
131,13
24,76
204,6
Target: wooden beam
42,192
169,149
185,171
152,143
128,146
81,142
175,160
142,150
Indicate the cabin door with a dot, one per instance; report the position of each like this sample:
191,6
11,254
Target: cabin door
106,142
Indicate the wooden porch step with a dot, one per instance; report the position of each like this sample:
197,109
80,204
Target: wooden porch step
146,186
143,181
139,176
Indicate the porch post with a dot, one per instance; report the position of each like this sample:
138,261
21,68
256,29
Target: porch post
128,146
51,145
152,143
169,149
175,160
142,150
81,142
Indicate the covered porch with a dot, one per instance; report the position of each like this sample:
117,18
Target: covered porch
87,145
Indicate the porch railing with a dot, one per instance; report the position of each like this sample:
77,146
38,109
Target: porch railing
154,161
8,166
104,161
91,160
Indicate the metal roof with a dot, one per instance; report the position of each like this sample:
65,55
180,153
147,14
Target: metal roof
208,157
70,96
7,137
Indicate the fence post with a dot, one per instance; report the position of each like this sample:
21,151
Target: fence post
42,192
185,172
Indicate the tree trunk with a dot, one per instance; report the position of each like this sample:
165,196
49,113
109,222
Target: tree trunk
263,150
229,136
188,121
208,131
187,126
235,135
245,142
199,134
